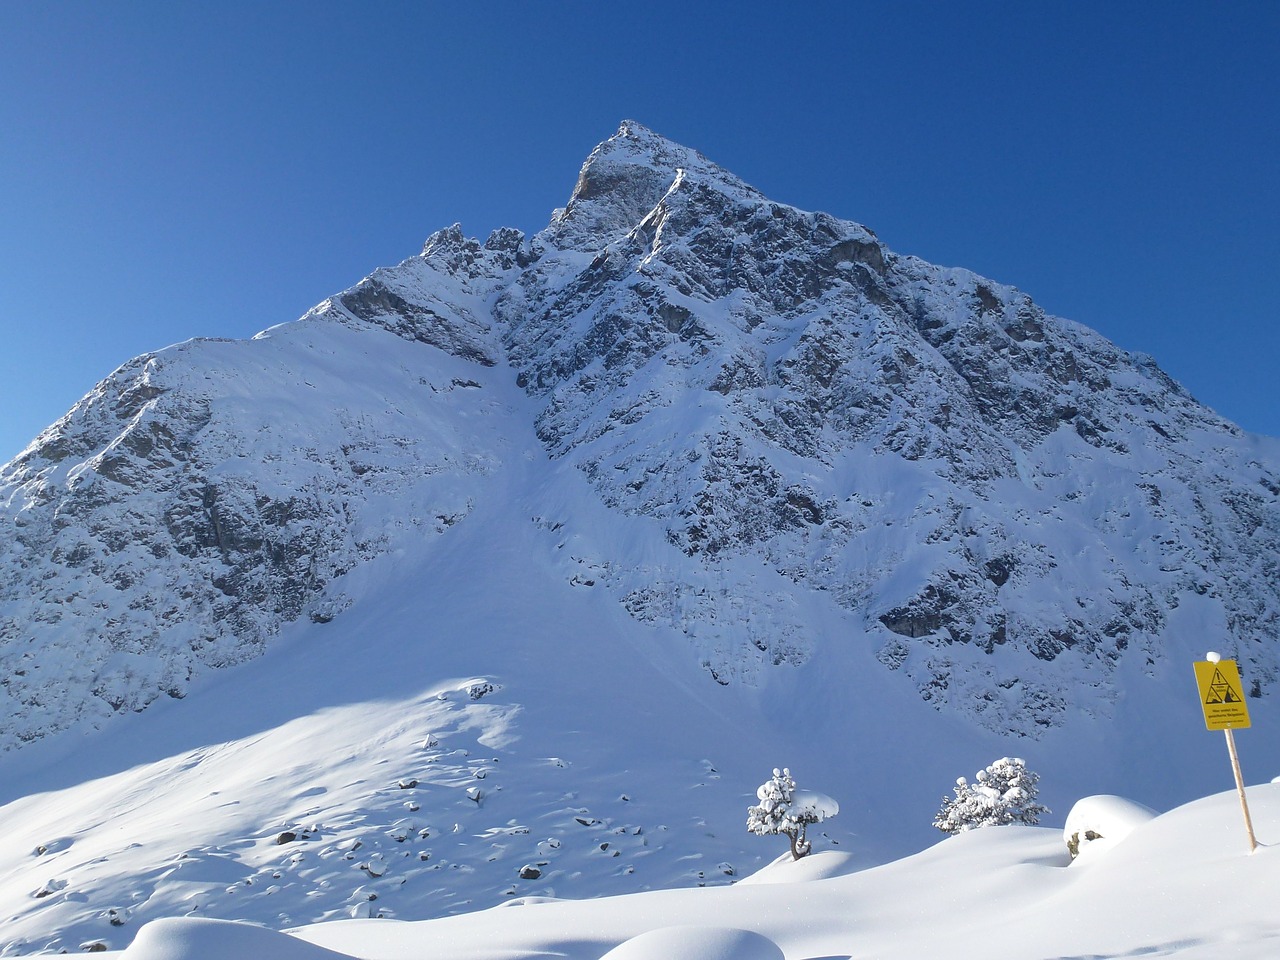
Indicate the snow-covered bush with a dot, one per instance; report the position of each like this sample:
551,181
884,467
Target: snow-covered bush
786,810
1005,792
1096,823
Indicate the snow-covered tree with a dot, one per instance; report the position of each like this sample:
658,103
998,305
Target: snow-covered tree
784,809
1005,792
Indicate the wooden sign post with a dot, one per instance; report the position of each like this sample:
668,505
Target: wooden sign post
1222,700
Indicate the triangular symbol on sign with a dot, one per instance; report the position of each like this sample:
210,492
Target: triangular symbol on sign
1221,691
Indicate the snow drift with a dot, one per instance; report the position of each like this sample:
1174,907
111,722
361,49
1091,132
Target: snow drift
1180,886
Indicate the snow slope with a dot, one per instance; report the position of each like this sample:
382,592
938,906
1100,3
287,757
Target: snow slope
1180,886
596,763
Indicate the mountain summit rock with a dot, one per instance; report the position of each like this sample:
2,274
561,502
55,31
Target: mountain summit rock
775,413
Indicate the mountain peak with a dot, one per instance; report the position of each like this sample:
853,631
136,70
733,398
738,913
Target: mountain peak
624,178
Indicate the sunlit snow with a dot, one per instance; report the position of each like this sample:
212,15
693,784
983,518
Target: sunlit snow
1181,885
496,708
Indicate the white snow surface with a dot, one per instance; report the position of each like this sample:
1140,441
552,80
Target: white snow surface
1181,885
1111,818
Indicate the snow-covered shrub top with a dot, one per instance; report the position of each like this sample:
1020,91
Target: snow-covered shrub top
813,807
773,813
1004,793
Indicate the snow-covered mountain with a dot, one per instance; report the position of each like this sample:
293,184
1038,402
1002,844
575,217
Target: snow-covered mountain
688,484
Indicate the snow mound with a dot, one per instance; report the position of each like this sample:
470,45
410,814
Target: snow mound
1099,823
816,866
192,938
696,943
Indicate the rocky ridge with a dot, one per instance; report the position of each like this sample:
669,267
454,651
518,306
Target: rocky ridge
1010,505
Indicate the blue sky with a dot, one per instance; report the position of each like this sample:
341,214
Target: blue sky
171,170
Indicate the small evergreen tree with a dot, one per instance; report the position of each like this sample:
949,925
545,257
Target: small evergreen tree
783,809
1005,792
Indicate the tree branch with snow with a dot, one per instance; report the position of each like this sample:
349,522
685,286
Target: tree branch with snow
785,810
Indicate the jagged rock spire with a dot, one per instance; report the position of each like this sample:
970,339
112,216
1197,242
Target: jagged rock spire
623,179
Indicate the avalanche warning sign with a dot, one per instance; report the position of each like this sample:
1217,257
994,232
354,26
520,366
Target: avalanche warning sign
1221,695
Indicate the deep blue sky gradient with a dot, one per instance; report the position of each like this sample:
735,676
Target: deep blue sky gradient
172,170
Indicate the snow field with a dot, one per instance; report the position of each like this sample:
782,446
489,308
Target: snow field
416,820
1178,886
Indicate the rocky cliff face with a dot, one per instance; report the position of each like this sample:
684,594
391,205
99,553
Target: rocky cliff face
1010,505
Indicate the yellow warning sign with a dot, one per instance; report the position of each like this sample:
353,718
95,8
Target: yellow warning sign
1221,695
